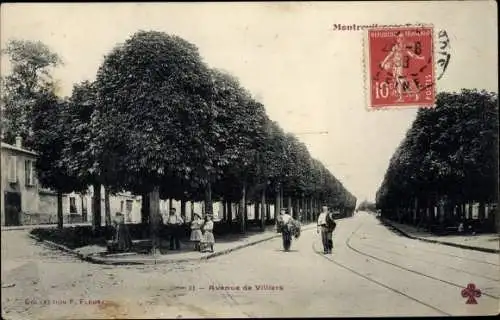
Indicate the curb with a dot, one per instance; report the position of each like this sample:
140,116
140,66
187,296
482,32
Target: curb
107,261
451,244
61,247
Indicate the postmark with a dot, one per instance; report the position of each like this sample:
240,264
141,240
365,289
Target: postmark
443,56
399,67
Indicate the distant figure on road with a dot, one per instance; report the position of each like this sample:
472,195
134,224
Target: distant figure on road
208,239
325,227
174,223
196,234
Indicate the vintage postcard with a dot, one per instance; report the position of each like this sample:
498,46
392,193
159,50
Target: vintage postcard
249,159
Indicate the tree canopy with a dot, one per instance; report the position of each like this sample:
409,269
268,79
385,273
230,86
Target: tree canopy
449,152
28,83
158,116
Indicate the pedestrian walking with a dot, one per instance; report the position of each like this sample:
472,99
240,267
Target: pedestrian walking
174,223
283,226
208,239
196,234
322,227
330,227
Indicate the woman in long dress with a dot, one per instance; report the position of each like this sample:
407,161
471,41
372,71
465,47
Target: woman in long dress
196,234
122,236
208,234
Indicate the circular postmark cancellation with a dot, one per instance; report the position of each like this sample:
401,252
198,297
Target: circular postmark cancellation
399,67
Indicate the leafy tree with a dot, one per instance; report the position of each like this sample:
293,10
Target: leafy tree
367,206
236,134
50,126
81,151
153,109
28,84
449,154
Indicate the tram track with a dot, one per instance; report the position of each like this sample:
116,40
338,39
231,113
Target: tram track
442,312
460,286
395,290
440,253
441,265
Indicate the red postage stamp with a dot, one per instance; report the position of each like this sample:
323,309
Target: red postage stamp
400,67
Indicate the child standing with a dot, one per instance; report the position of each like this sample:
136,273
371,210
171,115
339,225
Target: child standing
208,235
196,235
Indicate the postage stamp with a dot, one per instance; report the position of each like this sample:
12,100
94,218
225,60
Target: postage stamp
399,67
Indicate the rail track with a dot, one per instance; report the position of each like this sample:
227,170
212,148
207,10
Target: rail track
359,252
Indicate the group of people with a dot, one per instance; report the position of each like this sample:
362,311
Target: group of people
290,228
203,238
201,232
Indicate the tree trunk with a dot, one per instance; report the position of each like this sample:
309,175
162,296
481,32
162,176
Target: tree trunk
208,199
170,205
256,211
317,209
144,208
243,210
224,210
481,212
282,199
60,216
304,208
277,206
289,205
229,212
183,209
295,206
263,213
84,212
416,215
311,209
96,207
107,207
154,212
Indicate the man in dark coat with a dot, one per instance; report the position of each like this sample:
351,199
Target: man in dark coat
330,226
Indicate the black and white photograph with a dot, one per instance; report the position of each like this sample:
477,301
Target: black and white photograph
176,160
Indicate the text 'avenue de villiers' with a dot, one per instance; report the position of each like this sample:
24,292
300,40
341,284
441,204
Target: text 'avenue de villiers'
260,287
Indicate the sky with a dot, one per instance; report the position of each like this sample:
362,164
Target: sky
309,76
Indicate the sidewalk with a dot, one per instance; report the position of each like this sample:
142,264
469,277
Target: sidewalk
34,226
482,242
223,245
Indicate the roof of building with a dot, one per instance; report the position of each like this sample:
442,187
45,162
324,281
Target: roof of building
15,148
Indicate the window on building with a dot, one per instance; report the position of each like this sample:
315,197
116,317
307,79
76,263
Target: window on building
12,169
84,205
72,205
129,206
29,172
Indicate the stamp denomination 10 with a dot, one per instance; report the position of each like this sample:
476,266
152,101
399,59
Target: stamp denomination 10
400,67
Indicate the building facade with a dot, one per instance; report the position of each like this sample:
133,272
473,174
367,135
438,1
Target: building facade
23,201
